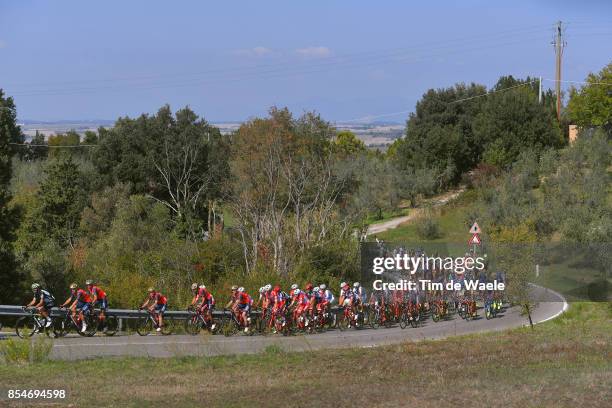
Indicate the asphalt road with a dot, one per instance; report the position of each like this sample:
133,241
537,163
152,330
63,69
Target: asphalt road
206,345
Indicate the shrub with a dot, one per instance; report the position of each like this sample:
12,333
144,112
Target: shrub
428,227
20,351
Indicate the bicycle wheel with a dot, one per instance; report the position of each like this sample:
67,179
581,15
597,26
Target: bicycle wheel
403,322
374,319
192,325
435,315
26,327
92,325
60,327
144,326
414,320
344,323
230,328
168,327
111,325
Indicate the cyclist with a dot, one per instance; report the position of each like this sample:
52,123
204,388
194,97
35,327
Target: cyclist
244,303
263,300
159,303
207,304
310,298
299,301
99,300
195,293
347,296
328,295
278,299
81,302
43,301
360,293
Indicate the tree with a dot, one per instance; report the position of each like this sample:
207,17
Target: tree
347,144
439,134
9,133
513,121
37,149
285,190
174,159
70,138
591,105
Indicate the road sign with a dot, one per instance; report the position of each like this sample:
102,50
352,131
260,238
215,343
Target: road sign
475,229
475,240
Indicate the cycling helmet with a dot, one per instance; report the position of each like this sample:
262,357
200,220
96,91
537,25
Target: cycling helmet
322,286
262,289
89,282
241,289
151,289
73,286
277,288
202,286
296,292
294,286
316,289
343,284
356,285
268,287
194,286
309,286
234,287
35,286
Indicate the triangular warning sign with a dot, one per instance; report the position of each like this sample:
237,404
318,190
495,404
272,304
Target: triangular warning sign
475,229
475,240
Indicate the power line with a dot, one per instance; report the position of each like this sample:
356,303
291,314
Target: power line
369,117
367,54
581,82
399,56
271,74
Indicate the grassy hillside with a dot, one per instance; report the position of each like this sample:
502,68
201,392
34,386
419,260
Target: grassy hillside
564,362
450,217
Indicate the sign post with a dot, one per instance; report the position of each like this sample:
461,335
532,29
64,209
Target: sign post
475,240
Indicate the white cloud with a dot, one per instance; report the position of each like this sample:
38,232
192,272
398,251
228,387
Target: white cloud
314,52
254,52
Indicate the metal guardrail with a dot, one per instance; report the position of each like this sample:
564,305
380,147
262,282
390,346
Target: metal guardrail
10,310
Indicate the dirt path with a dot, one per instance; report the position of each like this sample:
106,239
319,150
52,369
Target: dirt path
414,213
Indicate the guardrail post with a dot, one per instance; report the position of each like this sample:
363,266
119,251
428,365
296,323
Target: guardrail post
120,325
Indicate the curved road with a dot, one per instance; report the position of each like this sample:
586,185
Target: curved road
207,345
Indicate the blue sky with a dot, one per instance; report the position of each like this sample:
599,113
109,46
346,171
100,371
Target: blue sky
232,60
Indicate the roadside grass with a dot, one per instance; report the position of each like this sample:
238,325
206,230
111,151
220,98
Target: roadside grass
563,362
387,215
451,219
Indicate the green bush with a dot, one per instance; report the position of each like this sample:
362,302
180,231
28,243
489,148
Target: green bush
428,228
22,351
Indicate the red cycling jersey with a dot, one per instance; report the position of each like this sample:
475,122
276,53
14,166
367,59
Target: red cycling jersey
98,293
83,296
207,296
302,299
158,298
244,298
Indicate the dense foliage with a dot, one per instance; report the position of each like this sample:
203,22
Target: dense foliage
166,200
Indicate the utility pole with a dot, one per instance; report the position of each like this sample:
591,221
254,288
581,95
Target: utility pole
540,91
559,44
